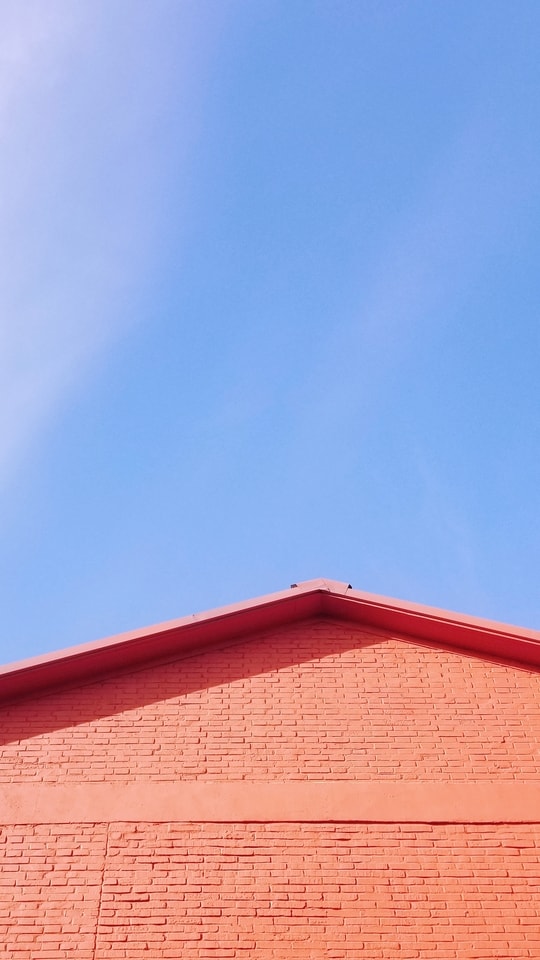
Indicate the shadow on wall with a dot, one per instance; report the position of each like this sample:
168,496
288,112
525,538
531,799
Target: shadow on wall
263,654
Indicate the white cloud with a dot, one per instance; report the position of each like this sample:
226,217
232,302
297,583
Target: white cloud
33,44
83,89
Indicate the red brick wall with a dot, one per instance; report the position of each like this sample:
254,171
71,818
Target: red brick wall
314,700
314,891
50,889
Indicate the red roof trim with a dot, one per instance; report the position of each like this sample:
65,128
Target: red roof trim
312,598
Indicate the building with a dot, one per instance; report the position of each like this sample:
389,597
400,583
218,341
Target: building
318,773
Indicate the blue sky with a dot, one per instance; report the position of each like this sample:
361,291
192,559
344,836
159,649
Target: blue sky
269,307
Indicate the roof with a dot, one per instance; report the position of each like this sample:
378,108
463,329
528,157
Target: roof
313,598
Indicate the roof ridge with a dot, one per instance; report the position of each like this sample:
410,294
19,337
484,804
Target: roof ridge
300,601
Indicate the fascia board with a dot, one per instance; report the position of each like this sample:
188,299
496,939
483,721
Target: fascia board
310,599
132,649
437,627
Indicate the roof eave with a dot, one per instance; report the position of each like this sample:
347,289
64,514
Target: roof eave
437,627
158,642
302,601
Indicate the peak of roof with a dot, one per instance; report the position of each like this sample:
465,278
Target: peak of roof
333,586
311,598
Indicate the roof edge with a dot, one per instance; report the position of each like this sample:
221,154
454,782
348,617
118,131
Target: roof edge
301,601
438,627
159,641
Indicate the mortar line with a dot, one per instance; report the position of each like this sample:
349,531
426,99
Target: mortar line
100,899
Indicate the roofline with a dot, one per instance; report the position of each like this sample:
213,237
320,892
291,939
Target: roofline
301,601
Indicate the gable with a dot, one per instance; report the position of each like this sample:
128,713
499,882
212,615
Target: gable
308,701
321,774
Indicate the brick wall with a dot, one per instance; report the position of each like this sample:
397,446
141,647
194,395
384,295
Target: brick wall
318,700
50,888
313,700
314,891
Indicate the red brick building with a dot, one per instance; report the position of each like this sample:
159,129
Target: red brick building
319,773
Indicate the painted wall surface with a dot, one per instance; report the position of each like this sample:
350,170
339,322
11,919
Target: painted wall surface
267,890
316,701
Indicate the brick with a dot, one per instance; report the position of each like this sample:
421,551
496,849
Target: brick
312,701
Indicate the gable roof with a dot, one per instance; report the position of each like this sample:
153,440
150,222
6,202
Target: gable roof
323,598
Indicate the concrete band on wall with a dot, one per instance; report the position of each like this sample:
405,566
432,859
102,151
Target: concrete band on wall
249,801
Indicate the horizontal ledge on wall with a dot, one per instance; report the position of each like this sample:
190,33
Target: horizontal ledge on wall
272,801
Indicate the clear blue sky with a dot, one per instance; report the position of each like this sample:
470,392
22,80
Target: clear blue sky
269,307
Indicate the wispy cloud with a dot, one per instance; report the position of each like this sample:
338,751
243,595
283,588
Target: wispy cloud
33,46
475,197
80,114
462,222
